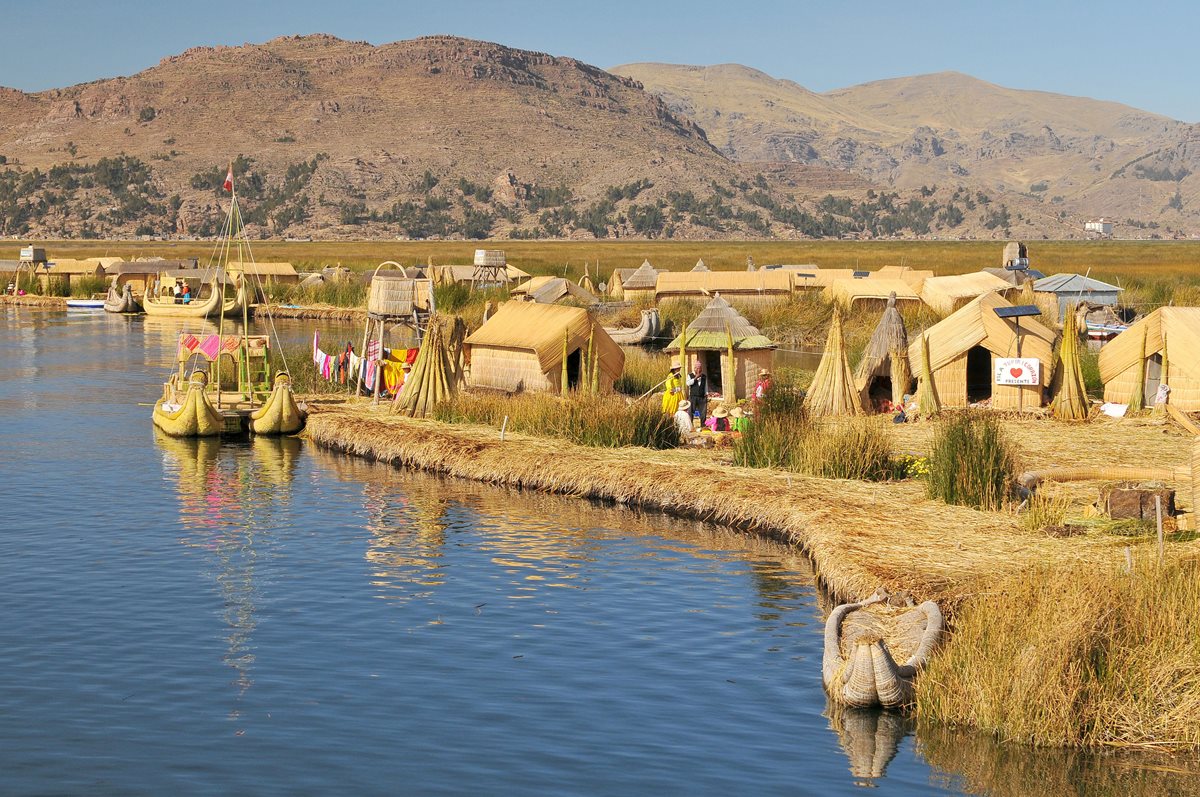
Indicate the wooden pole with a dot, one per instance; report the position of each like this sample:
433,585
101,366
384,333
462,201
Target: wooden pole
1158,523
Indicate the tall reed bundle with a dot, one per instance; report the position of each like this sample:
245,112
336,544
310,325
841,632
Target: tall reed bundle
886,354
832,391
1137,399
928,404
434,376
1070,393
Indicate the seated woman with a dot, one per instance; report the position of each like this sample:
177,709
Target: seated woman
683,419
738,421
719,422
186,296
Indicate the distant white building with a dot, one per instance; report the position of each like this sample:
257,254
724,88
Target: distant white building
1102,227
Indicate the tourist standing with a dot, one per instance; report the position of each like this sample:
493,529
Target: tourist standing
698,391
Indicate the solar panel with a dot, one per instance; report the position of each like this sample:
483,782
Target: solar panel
861,274
1020,311
806,276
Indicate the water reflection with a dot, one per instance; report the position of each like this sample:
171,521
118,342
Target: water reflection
980,765
227,501
870,738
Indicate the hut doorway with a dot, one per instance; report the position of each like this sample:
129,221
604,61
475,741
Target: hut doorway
979,374
712,368
574,360
1154,376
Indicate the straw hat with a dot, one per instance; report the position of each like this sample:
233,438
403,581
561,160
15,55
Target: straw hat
685,405
720,412
737,412
761,374
675,366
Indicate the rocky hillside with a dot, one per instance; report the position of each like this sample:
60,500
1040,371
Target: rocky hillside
1068,158
448,137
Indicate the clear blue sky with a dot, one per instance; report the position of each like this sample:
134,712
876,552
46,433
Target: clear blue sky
1141,53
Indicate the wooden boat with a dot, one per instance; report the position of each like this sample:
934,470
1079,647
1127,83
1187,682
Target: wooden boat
280,414
215,304
863,642
85,304
121,302
190,414
644,332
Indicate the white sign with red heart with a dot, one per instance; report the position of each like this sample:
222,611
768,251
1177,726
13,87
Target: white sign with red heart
1018,371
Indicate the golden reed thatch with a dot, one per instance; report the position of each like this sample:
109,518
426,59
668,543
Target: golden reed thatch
886,356
833,391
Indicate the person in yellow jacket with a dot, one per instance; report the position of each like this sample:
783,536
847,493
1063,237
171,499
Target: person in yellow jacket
672,390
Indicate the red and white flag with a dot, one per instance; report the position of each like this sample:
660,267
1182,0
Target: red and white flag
228,186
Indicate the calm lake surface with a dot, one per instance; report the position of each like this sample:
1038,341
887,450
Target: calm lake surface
262,617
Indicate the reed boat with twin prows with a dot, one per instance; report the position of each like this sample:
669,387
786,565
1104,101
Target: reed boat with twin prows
864,641
121,301
187,412
211,299
280,414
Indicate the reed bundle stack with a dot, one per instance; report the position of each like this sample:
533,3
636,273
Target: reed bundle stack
886,356
434,376
1070,394
833,391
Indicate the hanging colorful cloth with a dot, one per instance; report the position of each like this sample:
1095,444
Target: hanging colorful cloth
316,341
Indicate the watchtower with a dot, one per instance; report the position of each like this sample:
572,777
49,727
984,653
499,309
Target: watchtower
491,268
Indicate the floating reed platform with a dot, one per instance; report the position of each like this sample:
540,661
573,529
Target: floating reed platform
29,300
322,312
860,535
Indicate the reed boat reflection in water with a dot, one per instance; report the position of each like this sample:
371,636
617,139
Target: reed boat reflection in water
226,502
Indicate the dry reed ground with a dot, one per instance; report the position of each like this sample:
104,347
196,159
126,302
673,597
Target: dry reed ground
860,535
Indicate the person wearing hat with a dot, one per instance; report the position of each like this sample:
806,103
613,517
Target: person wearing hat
738,420
719,422
697,382
673,390
762,386
683,419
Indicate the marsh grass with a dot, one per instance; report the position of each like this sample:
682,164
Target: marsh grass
1089,362
87,287
783,436
346,293
1077,656
644,369
605,421
1045,511
971,461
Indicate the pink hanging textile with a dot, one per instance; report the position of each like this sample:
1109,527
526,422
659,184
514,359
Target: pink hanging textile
210,346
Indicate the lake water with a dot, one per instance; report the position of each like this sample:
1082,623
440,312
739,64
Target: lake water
263,617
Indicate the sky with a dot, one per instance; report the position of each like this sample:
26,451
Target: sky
1141,54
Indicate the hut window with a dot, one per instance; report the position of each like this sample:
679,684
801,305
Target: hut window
1154,376
979,374
573,362
712,367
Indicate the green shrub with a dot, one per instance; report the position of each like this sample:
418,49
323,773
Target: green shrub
972,463
86,287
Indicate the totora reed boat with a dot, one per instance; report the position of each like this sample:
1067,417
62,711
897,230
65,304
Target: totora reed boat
121,301
222,383
862,644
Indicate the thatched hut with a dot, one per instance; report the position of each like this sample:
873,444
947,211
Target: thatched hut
64,271
139,275
1170,354
963,349
741,288
701,266
639,286
947,294
913,277
731,349
267,273
884,371
523,345
871,294
548,290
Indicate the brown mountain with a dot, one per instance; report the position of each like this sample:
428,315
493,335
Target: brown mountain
1049,154
516,126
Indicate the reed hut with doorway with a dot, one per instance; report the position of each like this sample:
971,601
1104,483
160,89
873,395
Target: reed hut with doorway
871,295
527,347
963,349
549,290
739,288
731,349
637,286
884,372
64,271
1161,348
949,293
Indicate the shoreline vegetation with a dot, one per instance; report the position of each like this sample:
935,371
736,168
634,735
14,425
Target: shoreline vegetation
1034,655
